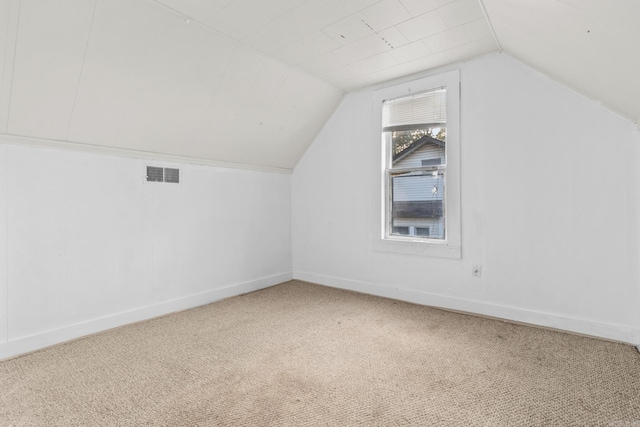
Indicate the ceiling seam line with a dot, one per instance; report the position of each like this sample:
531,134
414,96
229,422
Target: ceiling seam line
493,30
13,66
125,110
84,60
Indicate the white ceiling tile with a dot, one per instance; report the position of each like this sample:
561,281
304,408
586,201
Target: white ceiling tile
294,116
422,26
344,8
370,46
238,20
232,91
289,27
197,9
393,37
302,107
619,15
174,86
361,68
310,16
51,42
422,64
419,7
262,43
273,8
471,50
348,31
5,16
411,51
434,60
447,39
110,67
312,46
478,29
9,15
375,18
264,90
385,14
323,64
460,12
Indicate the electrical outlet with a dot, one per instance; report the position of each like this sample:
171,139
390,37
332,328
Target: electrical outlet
476,271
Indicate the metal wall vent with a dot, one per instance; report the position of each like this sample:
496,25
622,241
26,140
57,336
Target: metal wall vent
157,174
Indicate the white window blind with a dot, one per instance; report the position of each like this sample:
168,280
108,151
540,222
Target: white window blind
426,108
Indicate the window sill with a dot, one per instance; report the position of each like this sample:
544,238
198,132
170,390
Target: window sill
417,247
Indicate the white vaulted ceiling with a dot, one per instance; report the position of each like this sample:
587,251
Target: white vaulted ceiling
590,45
351,43
253,81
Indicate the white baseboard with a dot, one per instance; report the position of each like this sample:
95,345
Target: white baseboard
615,332
44,339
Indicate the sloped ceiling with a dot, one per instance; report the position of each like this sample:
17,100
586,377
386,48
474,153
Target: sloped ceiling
590,45
252,81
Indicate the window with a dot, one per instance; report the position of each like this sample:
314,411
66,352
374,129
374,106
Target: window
432,162
422,231
414,130
400,230
419,209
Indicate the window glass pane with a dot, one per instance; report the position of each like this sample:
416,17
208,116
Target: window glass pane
422,231
401,230
411,148
432,162
418,201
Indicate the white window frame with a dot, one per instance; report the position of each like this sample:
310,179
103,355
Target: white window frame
450,247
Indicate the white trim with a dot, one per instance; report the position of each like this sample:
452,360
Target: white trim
41,340
451,248
550,320
412,246
136,154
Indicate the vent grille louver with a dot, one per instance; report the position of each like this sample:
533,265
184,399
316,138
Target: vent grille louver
158,174
154,174
171,175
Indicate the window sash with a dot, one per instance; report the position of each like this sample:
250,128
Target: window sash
392,173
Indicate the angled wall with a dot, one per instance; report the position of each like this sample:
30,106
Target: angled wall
87,244
549,208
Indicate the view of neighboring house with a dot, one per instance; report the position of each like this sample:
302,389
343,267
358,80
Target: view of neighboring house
418,196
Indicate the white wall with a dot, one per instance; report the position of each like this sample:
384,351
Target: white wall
87,244
532,159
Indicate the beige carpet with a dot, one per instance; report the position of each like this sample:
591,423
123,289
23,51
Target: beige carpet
304,355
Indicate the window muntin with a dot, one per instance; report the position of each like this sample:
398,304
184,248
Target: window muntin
414,134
